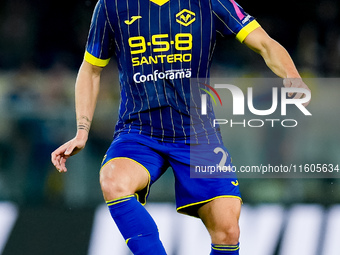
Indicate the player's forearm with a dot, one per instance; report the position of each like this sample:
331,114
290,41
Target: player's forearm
278,60
275,56
86,93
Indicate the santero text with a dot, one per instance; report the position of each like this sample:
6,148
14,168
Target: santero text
172,58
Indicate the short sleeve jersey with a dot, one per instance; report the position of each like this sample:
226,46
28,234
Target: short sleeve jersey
161,48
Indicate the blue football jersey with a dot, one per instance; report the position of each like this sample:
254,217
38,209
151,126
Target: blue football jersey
163,48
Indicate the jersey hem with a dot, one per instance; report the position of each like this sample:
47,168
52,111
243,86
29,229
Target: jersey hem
245,31
95,61
182,209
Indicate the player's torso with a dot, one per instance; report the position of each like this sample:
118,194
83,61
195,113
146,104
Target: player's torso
160,46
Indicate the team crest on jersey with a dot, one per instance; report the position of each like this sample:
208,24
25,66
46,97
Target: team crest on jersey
185,17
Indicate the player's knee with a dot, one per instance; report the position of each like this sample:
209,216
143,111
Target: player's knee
114,186
228,235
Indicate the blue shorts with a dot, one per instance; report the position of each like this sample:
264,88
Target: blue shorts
196,169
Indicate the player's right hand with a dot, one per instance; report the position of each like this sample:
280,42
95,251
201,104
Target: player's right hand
68,149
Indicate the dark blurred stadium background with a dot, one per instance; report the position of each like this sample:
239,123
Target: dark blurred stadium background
41,47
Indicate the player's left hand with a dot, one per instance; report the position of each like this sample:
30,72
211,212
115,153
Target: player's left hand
296,83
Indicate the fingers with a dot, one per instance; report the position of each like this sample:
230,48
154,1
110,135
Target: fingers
296,83
299,95
288,83
59,157
69,149
60,164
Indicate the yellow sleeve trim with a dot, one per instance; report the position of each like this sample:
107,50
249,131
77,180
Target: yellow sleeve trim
245,31
95,61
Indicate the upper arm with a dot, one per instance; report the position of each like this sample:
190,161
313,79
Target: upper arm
99,47
90,69
258,40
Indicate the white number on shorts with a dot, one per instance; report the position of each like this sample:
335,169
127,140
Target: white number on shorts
224,156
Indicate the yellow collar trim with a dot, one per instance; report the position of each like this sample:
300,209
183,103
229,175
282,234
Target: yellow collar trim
160,2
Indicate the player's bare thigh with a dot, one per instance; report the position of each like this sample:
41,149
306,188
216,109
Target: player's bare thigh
121,177
220,216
